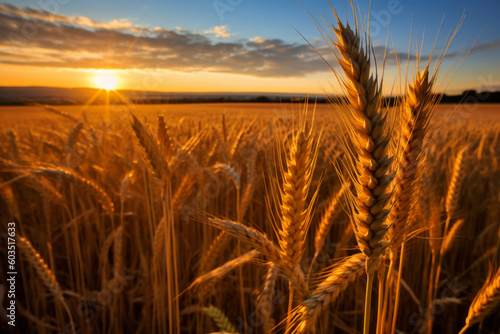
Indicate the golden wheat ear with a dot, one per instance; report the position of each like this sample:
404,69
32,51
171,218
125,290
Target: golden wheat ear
366,145
164,138
336,280
456,181
150,150
265,299
102,197
295,212
227,267
46,275
43,271
327,220
486,302
264,245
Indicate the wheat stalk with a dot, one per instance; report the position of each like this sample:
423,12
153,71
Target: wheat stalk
118,257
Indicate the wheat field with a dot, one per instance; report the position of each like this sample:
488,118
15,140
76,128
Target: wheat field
349,217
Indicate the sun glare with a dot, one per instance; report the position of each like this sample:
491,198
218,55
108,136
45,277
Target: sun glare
106,81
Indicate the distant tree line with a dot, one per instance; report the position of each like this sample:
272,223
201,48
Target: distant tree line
469,97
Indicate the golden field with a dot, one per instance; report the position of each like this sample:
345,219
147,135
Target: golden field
115,236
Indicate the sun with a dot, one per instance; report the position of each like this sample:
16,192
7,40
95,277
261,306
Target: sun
106,81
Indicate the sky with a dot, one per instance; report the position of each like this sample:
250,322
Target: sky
235,45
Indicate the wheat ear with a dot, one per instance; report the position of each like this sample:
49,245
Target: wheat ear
451,235
227,267
41,267
60,113
71,176
164,138
337,280
455,184
214,252
366,126
265,299
367,158
183,192
220,319
150,150
159,239
327,219
247,234
416,111
487,300
265,246
295,214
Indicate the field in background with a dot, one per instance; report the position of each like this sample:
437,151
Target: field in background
13,115
80,188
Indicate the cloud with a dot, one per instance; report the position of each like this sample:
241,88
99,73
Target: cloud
30,36
38,15
257,39
219,31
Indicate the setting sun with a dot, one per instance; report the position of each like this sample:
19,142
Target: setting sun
106,81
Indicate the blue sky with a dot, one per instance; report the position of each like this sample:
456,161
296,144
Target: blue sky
240,21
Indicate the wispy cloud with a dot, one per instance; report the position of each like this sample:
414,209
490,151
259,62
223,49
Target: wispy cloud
79,42
220,31
39,15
